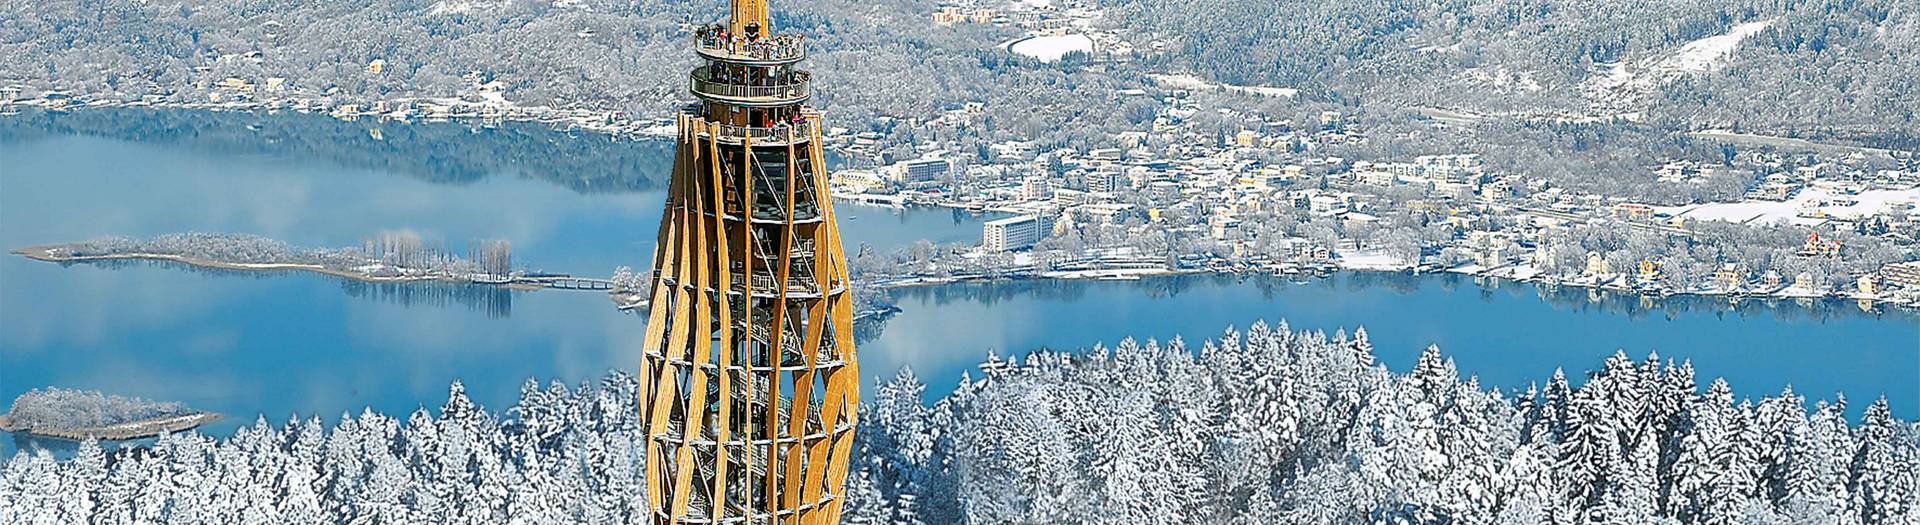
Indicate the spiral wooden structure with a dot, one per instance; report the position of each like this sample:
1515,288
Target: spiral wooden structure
748,380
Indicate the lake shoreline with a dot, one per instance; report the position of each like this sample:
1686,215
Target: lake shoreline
131,430
627,300
1134,274
44,253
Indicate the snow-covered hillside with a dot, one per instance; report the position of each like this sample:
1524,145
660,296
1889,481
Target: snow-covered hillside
1699,56
1707,53
1809,206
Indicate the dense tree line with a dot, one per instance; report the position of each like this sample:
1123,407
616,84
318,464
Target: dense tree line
1830,68
1274,426
1269,425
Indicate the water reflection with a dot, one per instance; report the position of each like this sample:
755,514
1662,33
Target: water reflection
282,343
1567,298
67,188
496,301
457,152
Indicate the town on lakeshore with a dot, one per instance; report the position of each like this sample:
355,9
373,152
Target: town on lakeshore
1172,200
1245,188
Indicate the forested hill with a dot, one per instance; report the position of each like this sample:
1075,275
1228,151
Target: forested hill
1813,68
1846,67
1265,426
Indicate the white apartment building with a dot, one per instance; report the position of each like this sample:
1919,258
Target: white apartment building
1011,233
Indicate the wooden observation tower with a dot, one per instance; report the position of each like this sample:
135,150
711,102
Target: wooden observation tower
747,377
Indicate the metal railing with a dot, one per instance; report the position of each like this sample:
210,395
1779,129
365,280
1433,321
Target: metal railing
777,134
796,87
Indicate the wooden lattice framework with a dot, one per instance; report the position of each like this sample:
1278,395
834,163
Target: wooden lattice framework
748,379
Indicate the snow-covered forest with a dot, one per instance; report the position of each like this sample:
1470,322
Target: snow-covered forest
1265,426
1820,68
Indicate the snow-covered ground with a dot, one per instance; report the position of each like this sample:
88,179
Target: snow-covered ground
1698,56
1703,54
1811,199
452,7
1051,48
1519,272
1184,81
661,130
1504,79
1795,291
1371,260
1108,273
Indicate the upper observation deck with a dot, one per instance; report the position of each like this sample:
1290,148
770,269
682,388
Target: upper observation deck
717,42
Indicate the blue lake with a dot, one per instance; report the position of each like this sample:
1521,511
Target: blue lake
286,343
1508,334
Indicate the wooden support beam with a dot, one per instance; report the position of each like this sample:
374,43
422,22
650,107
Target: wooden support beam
843,386
664,252
723,420
699,337
777,345
810,345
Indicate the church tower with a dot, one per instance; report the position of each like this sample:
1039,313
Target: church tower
748,383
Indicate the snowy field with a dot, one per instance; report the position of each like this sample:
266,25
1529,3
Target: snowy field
1703,54
1810,199
1051,48
1698,56
1184,81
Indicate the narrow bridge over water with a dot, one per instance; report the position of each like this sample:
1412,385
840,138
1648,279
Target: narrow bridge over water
572,283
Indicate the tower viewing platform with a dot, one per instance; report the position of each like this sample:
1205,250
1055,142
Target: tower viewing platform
752,88
715,42
796,129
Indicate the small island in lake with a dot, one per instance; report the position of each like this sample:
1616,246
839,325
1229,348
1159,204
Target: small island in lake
394,257
82,414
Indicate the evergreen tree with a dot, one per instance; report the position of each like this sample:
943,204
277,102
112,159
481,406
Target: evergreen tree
1258,427
1882,479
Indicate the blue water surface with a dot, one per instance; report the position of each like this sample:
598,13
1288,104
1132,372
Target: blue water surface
277,344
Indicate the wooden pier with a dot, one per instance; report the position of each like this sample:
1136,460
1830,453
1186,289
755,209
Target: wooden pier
572,283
